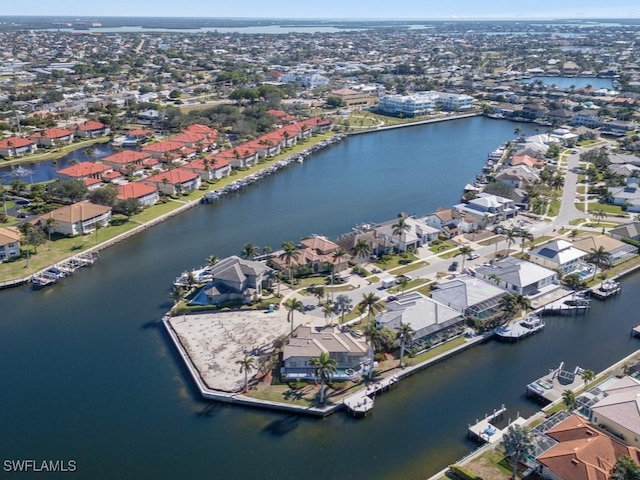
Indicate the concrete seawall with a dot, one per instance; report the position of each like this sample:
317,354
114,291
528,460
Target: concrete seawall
421,122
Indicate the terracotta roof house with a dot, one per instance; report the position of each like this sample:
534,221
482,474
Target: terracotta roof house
208,132
16,147
214,168
619,410
317,124
240,157
113,176
618,251
316,255
582,452
447,220
175,181
352,353
198,141
147,195
526,160
127,161
263,146
235,278
9,243
91,129
164,149
283,118
84,170
79,218
53,137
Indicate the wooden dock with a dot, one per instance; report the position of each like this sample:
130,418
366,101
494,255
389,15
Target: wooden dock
483,430
361,403
571,305
606,289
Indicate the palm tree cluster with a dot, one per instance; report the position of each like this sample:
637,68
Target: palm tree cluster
512,303
518,445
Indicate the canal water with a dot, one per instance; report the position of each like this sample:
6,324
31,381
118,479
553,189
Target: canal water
89,375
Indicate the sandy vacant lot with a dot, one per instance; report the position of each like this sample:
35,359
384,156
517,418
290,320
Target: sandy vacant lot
215,341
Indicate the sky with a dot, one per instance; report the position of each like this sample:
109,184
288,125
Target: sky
334,9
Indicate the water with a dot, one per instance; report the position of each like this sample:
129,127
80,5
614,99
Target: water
88,375
577,82
266,29
47,170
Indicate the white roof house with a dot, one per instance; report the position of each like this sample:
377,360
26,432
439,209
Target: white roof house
469,295
558,254
418,234
519,276
425,315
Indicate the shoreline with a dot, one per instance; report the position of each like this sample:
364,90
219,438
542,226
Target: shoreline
419,122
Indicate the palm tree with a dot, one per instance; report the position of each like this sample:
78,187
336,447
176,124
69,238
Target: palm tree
338,255
289,254
293,305
212,260
361,249
249,251
588,376
400,228
569,399
599,213
601,258
464,250
494,278
402,282
525,235
509,305
50,223
375,336
177,294
3,196
342,305
369,303
405,335
327,310
511,234
246,366
518,445
325,367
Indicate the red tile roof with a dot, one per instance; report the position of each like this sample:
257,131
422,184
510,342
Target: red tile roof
139,132
163,146
16,142
202,129
175,176
199,164
84,169
126,156
91,181
111,175
135,190
188,137
238,152
55,133
90,126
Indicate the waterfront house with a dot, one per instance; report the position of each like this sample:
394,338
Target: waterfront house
586,118
9,243
84,171
129,162
352,353
618,251
526,160
91,129
519,276
211,134
78,218
519,176
16,147
447,220
147,195
475,298
617,409
197,141
317,124
282,117
237,279
264,147
628,230
175,181
210,168
315,254
419,233
426,316
53,137
579,451
487,209
559,255
239,157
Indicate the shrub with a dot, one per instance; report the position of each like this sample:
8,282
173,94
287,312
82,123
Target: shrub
463,473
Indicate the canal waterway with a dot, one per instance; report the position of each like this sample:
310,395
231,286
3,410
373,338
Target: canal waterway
89,375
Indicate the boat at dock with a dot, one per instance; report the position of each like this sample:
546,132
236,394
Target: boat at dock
607,288
51,275
515,331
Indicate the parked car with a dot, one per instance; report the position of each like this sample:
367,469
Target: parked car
392,298
453,267
473,256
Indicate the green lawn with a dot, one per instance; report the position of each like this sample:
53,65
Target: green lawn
394,261
409,268
554,208
434,352
412,284
606,208
441,247
451,254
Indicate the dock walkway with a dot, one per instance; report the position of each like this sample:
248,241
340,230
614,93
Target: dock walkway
361,402
551,386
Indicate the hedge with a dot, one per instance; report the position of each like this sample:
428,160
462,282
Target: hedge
463,473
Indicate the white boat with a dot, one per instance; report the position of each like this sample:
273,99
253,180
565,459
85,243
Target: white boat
609,285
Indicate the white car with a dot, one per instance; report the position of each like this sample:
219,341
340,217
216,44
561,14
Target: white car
473,256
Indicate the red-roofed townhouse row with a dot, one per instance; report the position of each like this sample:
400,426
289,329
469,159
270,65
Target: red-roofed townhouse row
209,133
264,146
164,149
128,162
175,181
146,194
240,157
16,147
317,124
209,168
52,137
91,129
84,170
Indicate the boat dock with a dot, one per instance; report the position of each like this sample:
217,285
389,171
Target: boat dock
606,289
550,387
515,331
63,269
573,305
484,431
361,403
